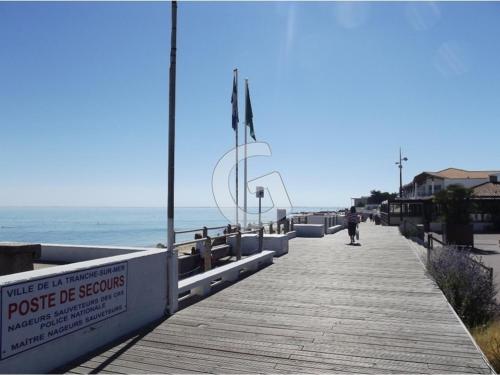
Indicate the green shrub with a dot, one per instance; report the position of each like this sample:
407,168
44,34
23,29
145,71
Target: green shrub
465,283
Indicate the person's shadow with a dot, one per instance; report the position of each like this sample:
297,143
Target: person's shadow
354,244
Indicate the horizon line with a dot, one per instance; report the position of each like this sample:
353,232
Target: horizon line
94,206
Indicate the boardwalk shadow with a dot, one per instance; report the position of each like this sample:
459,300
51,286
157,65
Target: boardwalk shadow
217,287
138,335
134,337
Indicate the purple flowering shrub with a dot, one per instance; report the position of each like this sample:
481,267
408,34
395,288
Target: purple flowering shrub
465,284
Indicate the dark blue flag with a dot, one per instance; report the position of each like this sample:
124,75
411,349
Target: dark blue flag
249,113
234,100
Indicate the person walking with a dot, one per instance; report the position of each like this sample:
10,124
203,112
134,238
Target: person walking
352,219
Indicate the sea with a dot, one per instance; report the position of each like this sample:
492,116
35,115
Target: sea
111,226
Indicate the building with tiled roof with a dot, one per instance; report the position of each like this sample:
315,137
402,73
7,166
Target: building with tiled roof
426,184
488,189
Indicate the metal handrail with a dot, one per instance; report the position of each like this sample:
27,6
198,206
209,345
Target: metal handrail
214,228
177,244
188,231
206,251
200,229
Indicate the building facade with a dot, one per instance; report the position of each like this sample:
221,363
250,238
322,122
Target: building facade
426,184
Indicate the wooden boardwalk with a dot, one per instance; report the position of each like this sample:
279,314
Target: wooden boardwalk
324,308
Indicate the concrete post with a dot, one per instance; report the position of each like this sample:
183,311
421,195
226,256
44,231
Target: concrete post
207,255
238,245
429,248
261,238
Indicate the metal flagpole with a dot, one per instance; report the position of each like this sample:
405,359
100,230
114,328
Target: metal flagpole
171,252
245,188
237,207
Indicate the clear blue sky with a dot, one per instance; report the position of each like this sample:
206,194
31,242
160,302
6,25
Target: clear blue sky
336,89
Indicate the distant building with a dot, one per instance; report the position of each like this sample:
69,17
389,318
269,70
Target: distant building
417,204
489,189
426,184
360,202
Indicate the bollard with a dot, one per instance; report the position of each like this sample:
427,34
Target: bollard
429,248
261,238
207,255
238,245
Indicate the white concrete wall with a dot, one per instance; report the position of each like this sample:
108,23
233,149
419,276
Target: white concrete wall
335,229
341,220
146,303
309,230
424,189
465,182
249,243
57,253
316,219
276,242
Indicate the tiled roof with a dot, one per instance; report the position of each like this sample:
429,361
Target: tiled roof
488,189
461,173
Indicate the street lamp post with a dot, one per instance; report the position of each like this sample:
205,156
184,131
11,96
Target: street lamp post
173,295
400,166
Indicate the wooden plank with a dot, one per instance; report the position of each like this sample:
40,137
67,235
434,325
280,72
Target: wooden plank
324,307
193,362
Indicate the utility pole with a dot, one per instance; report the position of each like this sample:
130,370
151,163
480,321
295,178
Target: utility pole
171,252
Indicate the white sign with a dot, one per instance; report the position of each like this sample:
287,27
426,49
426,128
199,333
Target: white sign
37,311
259,192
